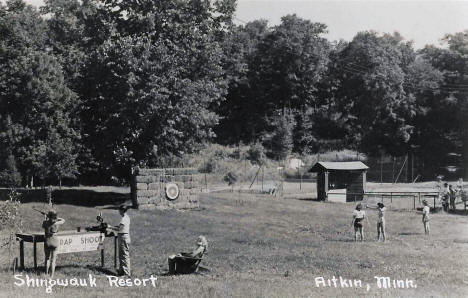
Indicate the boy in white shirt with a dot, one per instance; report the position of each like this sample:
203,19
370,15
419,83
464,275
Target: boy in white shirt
123,230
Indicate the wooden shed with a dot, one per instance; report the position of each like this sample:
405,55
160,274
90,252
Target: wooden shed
342,179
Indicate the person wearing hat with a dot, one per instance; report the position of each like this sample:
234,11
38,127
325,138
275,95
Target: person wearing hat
381,222
425,218
123,230
202,245
51,242
358,218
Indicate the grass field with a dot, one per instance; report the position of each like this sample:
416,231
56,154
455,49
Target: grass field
260,246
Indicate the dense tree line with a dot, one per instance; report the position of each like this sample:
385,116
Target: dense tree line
90,88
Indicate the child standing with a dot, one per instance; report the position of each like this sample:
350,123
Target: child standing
51,243
358,218
425,218
381,222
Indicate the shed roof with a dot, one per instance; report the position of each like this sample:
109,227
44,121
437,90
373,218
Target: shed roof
341,165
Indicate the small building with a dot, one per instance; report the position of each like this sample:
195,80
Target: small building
340,181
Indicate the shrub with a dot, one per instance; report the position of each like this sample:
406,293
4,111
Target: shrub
10,219
256,153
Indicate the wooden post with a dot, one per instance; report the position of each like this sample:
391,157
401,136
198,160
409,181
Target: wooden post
406,172
21,248
326,186
412,166
381,167
414,202
115,251
263,176
35,252
102,255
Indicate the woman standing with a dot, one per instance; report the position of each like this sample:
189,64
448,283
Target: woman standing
51,226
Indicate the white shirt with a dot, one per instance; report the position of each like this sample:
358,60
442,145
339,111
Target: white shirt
359,214
426,211
124,225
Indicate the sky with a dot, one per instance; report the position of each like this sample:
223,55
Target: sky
423,22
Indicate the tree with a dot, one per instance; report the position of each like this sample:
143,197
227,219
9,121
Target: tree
154,83
445,127
35,102
274,68
378,90
239,113
281,139
256,153
9,175
291,60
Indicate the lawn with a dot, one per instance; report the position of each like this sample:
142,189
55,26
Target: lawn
261,246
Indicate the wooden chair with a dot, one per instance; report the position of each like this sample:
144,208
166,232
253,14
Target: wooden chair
186,265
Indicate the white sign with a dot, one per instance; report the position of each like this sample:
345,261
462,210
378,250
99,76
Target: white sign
79,242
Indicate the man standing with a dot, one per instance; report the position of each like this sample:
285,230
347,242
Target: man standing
123,230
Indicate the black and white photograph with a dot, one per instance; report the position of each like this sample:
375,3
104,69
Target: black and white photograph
233,148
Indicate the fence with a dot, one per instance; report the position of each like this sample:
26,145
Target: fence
396,169
399,200
411,168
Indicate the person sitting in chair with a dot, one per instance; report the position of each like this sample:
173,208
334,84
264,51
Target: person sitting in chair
181,262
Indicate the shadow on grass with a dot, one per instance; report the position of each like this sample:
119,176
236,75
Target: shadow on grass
459,212
76,197
342,240
409,233
101,270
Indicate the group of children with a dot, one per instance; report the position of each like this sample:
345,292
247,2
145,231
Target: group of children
449,196
359,216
